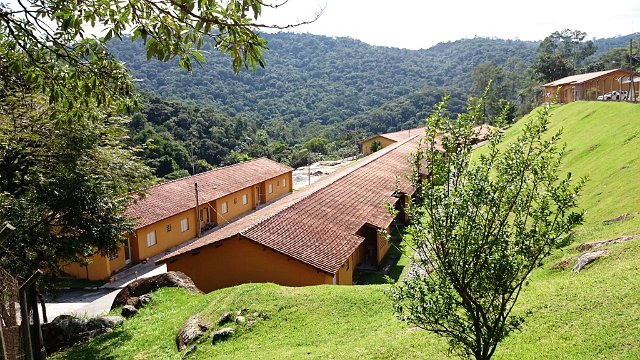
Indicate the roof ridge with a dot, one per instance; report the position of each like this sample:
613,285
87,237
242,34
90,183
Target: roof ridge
335,179
211,171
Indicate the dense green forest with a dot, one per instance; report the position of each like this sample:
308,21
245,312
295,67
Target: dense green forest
312,78
319,96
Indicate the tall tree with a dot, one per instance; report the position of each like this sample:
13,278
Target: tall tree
562,54
64,186
481,227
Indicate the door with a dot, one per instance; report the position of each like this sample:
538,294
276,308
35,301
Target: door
127,252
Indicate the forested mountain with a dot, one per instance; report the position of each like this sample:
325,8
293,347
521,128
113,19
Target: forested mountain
317,78
605,45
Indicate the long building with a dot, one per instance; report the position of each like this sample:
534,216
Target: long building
315,236
177,211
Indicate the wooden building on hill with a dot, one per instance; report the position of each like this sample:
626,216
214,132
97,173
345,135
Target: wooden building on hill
315,236
591,86
177,211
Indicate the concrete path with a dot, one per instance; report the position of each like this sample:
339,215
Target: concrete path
94,302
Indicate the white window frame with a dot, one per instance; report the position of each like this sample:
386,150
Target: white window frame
244,199
151,238
224,207
270,188
284,182
184,224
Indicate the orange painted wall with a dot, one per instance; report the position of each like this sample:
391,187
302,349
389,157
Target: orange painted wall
280,185
344,275
164,239
238,261
383,246
366,145
235,206
99,267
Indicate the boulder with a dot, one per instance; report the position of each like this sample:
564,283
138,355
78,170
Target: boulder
190,332
226,317
599,244
67,330
139,302
222,334
588,258
144,286
129,311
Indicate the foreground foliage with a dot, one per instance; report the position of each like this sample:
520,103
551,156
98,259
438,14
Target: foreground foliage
481,228
63,186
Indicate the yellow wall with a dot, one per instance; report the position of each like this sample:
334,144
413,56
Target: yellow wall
366,145
281,185
344,275
99,267
235,207
383,246
238,261
164,239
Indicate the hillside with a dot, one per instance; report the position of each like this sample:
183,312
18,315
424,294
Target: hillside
311,78
591,314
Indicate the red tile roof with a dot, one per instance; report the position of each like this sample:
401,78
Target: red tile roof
318,224
403,134
173,197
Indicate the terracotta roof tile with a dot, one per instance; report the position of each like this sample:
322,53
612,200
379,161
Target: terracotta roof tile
318,225
173,197
403,134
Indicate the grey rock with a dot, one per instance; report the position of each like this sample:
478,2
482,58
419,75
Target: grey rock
588,258
225,318
67,330
598,244
129,311
191,331
146,285
222,334
240,319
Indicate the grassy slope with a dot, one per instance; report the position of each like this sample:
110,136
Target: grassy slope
593,314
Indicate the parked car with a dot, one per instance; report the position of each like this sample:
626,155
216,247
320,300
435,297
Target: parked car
614,95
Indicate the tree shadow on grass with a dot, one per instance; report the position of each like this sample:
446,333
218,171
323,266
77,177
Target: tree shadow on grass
99,348
392,266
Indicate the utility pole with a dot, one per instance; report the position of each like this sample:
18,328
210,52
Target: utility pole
197,211
632,84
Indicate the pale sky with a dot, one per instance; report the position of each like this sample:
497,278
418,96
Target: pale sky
417,24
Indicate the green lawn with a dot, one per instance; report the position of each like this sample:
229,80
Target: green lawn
594,314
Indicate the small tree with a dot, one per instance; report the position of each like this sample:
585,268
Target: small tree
375,146
481,227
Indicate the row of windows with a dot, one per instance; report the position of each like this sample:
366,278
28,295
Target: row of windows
184,223
151,235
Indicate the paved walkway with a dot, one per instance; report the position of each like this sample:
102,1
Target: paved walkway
94,302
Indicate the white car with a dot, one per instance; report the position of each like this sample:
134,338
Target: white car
614,95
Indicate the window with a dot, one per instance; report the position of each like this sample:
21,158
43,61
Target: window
277,182
235,201
151,238
225,208
284,182
184,224
270,188
168,227
244,199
